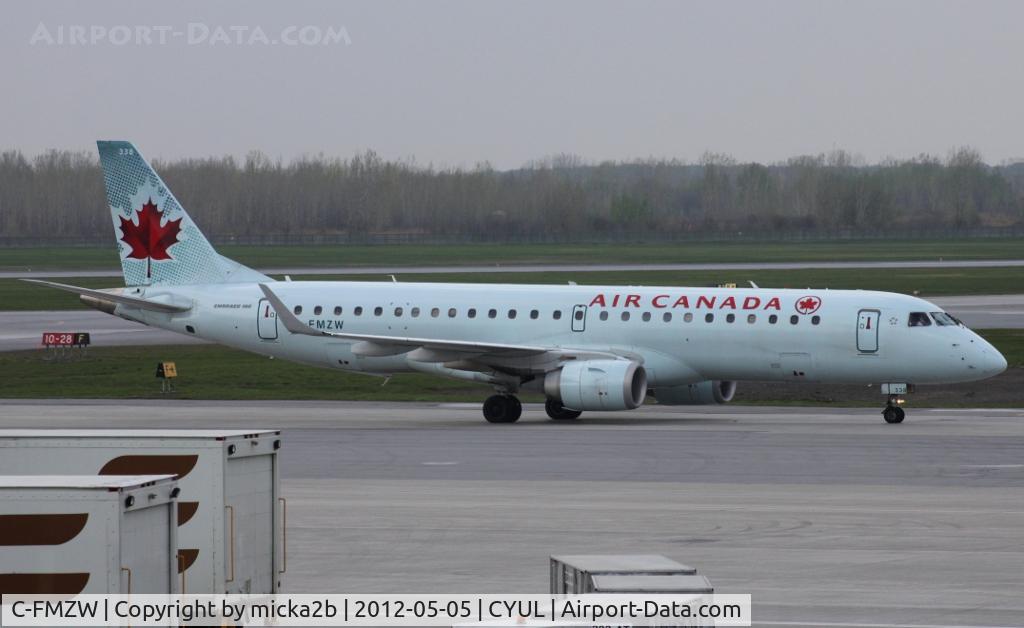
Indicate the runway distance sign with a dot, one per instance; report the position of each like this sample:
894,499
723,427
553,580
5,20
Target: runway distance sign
65,339
166,370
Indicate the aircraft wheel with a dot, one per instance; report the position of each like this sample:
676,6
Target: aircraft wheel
558,412
502,409
893,414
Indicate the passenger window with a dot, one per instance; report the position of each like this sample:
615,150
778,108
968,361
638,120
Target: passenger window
435,312
709,318
415,312
578,315
920,319
625,316
647,316
534,314
377,311
358,311
794,319
318,310
667,317
688,317
815,319
451,312
604,315
751,318
471,312
297,310
730,318
398,311
557,314
511,313
492,313
774,318
337,310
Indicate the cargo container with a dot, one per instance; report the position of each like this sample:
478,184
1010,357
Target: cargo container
651,584
573,573
231,514
70,534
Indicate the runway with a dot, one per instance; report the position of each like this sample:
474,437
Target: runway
826,516
22,330
29,273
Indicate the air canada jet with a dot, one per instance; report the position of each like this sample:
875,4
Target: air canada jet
586,348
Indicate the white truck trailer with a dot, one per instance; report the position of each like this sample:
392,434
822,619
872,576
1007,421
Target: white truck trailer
70,534
576,573
231,515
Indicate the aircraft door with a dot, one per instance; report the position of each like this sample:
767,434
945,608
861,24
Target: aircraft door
579,318
867,331
266,321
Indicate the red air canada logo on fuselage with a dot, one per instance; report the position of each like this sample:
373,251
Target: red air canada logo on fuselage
687,301
808,304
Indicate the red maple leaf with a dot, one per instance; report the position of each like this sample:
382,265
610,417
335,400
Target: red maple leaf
807,305
149,240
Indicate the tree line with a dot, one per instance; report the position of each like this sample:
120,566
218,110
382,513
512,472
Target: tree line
59,194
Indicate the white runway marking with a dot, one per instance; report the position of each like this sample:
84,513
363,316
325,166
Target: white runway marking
974,410
441,463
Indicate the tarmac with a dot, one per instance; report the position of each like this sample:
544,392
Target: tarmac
827,516
23,330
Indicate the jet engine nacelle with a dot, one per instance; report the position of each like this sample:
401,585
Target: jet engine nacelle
598,385
699,394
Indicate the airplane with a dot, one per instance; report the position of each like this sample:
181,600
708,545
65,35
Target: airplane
586,348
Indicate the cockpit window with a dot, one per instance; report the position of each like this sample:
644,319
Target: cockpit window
941,318
919,319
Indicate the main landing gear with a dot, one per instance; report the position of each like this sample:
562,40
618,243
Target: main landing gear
558,412
893,413
502,409
506,408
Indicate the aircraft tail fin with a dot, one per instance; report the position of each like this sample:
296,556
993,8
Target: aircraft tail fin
158,241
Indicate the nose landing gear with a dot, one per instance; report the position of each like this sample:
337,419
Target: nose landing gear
893,413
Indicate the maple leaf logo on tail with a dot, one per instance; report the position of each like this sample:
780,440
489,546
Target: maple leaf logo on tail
149,240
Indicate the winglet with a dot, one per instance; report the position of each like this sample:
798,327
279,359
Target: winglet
291,322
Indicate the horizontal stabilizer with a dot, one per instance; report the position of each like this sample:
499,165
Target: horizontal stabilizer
142,304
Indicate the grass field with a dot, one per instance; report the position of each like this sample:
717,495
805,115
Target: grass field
19,295
211,372
488,254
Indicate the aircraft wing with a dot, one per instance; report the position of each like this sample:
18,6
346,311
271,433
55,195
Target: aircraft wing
427,348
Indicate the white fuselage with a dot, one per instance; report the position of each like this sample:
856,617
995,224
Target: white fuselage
680,335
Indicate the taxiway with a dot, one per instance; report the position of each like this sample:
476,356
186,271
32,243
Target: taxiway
826,515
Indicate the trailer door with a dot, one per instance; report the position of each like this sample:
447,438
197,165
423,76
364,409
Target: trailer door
249,497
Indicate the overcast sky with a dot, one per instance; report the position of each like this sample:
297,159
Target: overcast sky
456,83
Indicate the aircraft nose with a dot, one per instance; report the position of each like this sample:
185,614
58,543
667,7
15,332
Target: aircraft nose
995,362
985,358
990,361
